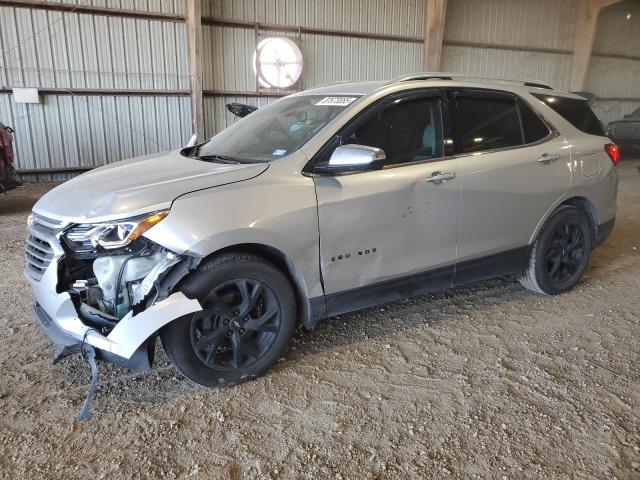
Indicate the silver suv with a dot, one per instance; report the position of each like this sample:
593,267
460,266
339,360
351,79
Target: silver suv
326,201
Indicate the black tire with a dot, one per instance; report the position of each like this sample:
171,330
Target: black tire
560,254
237,336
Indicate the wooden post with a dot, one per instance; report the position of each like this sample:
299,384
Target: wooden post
194,47
586,26
435,12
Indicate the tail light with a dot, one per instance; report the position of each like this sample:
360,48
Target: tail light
613,151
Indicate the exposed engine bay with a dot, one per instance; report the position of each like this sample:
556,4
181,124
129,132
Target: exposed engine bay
107,278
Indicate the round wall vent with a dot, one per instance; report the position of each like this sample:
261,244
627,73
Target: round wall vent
278,62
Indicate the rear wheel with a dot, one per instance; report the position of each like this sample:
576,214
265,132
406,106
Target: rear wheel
561,253
247,320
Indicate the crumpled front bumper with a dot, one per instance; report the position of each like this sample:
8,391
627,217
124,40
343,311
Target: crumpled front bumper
57,315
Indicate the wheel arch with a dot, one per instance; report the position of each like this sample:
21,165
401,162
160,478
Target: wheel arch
585,206
580,202
283,263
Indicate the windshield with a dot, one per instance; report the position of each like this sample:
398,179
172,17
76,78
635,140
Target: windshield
276,130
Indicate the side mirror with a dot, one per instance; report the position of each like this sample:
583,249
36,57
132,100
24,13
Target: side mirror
351,158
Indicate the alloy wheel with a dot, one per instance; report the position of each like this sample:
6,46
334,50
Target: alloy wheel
237,326
565,252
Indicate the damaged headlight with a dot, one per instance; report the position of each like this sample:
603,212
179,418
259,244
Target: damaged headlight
88,237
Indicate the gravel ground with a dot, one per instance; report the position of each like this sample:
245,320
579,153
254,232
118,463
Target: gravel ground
488,381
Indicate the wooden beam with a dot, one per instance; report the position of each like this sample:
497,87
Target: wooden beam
91,10
586,27
194,47
273,27
435,12
8,90
241,93
103,92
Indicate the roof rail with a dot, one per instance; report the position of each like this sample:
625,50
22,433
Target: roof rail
424,76
451,76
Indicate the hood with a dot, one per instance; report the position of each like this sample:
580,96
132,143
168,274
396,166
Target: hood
137,186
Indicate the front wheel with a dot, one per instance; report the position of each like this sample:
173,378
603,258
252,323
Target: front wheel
561,253
248,318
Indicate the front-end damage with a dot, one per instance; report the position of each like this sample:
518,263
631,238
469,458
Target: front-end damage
106,286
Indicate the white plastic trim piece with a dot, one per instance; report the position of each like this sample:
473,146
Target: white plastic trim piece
133,331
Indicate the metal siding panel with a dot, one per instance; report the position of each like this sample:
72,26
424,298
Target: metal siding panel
69,132
66,50
616,34
98,130
552,68
370,16
228,54
42,46
155,6
522,23
614,77
88,48
55,144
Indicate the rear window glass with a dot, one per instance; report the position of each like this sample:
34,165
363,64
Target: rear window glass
576,112
485,124
534,128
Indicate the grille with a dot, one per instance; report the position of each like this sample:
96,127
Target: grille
625,130
39,252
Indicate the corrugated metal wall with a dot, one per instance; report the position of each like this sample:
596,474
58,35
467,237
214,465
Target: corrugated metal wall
614,71
88,131
397,17
228,51
50,49
161,6
517,39
54,49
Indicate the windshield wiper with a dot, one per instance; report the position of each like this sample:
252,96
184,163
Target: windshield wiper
218,159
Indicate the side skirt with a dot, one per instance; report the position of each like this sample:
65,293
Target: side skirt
504,263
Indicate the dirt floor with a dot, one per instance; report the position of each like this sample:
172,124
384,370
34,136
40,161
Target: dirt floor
488,381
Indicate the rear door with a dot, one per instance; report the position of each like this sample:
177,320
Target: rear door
516,166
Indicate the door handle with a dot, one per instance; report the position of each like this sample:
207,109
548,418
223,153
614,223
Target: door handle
548,157
439,177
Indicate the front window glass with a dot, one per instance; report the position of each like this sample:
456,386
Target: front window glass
407,130
276,130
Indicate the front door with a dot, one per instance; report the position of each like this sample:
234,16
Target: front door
379,228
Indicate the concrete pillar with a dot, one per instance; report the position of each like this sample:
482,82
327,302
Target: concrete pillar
586,26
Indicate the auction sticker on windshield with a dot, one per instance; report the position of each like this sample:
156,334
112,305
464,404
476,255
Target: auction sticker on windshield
337,101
